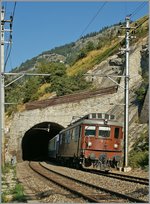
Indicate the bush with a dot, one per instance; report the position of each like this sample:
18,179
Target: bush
141,92
139,159
139,155
81,55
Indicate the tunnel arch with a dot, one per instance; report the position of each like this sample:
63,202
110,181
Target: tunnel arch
35,140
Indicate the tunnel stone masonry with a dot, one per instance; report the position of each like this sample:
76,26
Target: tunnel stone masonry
61,114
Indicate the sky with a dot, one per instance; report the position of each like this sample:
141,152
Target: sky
40,26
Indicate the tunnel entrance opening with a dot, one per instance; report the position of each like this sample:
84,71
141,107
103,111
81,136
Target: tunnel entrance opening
35,141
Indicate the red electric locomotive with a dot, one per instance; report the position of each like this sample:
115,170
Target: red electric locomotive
93,141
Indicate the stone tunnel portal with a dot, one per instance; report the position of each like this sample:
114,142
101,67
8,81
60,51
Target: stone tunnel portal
35,141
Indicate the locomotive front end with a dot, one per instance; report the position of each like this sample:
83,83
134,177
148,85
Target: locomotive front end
101,143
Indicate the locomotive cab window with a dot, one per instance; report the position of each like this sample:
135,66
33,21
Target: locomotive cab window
104,132
116,134
90,131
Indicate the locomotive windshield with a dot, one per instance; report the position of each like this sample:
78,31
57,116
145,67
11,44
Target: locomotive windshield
90,130
104,132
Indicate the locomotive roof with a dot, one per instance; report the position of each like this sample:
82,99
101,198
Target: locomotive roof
95,118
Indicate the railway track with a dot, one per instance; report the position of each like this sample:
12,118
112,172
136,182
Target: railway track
133,179
89,192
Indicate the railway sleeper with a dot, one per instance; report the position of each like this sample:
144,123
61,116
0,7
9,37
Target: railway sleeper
105,197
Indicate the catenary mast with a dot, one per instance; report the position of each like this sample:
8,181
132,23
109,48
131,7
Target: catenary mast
2,111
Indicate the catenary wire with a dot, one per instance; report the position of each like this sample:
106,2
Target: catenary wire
91,21
138,8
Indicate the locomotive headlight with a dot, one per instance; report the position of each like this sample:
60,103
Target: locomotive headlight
89,144
115,146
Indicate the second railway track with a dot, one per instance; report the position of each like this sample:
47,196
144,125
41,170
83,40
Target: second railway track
133,179
88,191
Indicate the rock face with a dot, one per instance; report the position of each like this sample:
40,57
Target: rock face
145,58
115,65
144,117
116,62
53,57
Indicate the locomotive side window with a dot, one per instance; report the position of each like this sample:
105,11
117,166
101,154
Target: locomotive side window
104,132
90,131
116,135
60,139
67,138
75,133
71,134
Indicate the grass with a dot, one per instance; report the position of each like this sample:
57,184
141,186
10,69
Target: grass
93,58
6,168
18,193
14,194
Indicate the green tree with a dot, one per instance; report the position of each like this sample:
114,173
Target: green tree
30,88
54,69
89,46
81,54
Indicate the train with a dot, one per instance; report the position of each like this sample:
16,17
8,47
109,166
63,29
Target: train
93,141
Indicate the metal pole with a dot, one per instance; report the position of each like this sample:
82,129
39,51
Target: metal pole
2,111
126,109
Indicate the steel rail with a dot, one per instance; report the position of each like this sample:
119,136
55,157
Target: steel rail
65,186
113,193
129,178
